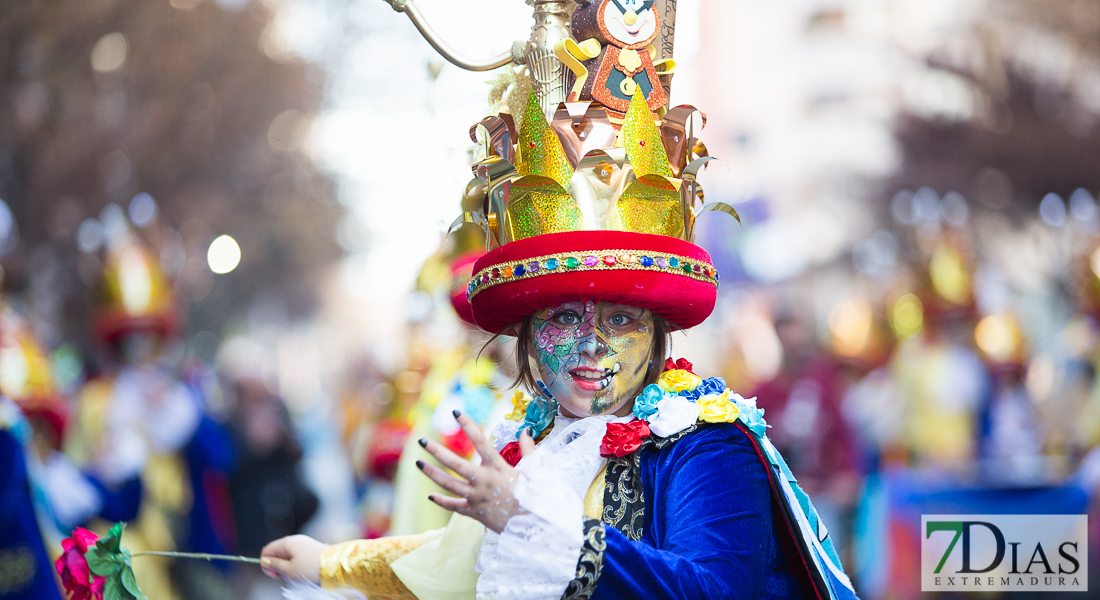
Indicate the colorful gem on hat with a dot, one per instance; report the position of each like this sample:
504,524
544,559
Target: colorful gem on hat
673,262
533,266
610,260
662,262
572,262
591,261
646,261
519,271
552,264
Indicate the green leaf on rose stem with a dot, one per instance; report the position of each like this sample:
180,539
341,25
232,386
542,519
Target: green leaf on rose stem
113,541
105,558
101,562
114,590
130,583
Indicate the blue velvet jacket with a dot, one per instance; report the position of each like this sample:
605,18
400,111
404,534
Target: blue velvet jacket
713,521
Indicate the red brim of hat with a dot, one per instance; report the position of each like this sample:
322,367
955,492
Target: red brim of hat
669,276
461,271
109,327
50,410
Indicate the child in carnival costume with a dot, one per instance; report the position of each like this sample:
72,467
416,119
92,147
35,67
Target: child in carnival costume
138,420
627,475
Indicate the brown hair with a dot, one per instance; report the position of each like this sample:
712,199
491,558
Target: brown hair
662,340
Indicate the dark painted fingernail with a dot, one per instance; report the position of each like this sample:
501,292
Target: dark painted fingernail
420,465
456,414
432,498
423,442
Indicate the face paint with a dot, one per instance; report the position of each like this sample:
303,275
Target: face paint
592,356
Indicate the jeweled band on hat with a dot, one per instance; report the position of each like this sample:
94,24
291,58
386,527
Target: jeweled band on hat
605,220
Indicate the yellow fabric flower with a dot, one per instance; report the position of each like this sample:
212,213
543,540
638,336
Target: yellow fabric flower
519,406
678,380
716,408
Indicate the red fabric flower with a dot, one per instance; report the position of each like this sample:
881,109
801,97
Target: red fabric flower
511,454
680,363
458,443
623,438
76,577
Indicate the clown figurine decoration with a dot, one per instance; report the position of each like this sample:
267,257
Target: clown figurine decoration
611,55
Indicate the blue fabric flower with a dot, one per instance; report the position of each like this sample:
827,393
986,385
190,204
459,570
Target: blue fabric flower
540,414
646,404
711,385
751,416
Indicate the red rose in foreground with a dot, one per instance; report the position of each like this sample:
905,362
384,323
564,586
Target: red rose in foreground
72,566
680,363
623,438
511,454
458,443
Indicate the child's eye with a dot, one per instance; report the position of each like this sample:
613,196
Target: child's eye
619,320
567,318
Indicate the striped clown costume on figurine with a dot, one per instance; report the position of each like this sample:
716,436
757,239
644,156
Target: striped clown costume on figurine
620,473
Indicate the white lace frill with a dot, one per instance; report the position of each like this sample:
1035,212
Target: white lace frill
535,557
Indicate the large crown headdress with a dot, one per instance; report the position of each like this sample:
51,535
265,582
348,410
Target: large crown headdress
589,188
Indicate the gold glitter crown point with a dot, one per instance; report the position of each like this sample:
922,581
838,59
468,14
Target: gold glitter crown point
607,180
538,149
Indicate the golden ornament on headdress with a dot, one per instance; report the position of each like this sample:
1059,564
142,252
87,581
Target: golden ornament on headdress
629,186
25,370
540,152
642,140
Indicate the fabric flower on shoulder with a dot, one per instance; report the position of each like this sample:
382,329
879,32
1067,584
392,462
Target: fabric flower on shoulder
751,416
717,408
679,363
674,414
622,439
511,453
645,406
678,380
709,386
504,431
519,406
539,415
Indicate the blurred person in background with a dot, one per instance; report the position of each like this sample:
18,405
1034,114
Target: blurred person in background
270,500
62,497
465,375
803,403
26,552
137,419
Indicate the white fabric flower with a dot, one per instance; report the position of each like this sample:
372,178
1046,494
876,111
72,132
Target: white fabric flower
674,415
504,433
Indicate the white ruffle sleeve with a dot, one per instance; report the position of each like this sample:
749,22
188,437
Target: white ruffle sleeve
535,556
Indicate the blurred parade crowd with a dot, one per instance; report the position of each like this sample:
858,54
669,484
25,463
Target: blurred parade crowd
946,362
